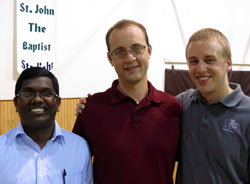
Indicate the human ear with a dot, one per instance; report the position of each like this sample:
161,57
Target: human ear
109,58
229,65
149,49
58,101
15,102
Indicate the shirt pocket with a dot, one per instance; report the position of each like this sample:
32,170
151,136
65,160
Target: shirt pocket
73,178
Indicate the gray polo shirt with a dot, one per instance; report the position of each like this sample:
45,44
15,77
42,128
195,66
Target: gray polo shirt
214,139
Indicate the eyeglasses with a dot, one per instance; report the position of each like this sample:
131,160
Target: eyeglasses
135,50
28,95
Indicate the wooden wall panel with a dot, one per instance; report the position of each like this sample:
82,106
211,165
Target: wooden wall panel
65,117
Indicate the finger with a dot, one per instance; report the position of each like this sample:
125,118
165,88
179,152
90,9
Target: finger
77,111
83,100
80,106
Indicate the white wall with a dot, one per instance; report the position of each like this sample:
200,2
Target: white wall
81,55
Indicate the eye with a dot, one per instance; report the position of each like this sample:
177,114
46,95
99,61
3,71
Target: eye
26,94
210,60
138,49
193,61
46,94
119,52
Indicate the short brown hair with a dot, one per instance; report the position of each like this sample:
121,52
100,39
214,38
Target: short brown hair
123,24
210,33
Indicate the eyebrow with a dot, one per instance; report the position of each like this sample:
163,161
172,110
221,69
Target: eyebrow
193,57
32,89
207,56
119,48
135,44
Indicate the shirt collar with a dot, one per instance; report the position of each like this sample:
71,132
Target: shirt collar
117,96
235,97
229,101
57,134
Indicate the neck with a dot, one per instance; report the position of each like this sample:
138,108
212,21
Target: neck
136,91
216,96
40,135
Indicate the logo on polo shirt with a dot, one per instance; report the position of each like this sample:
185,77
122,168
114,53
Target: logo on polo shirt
230,125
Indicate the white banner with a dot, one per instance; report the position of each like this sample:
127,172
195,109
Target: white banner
36,34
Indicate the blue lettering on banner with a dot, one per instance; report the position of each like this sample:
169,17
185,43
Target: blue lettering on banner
47,65
34,47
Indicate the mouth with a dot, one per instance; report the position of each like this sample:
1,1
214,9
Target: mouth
132,68
203,78
37,110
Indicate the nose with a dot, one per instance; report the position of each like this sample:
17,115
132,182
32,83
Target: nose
129,57
37,98
201,66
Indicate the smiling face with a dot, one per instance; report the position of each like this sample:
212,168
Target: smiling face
37,112
208,68
131,68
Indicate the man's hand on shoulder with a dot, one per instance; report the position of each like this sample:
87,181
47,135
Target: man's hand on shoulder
81,105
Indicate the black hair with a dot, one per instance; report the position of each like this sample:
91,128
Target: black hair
34,72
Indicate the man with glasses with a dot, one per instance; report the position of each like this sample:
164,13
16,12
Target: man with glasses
215,129
132,128
38,150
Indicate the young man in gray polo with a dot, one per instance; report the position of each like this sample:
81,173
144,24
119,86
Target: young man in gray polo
215,131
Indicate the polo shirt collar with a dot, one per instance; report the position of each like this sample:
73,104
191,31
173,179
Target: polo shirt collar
229,101
235,97
118,96
153,95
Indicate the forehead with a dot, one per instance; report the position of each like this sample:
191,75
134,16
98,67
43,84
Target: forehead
127,36
38,83
202,48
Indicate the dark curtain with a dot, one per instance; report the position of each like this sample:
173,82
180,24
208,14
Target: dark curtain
177,81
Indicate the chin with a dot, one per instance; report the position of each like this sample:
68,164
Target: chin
204,89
